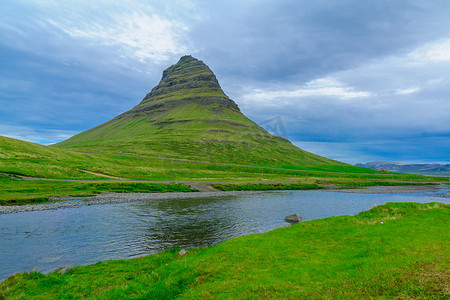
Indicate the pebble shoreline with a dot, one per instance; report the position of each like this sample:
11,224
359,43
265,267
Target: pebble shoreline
112,198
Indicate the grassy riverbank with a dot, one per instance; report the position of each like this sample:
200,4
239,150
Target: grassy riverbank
394,250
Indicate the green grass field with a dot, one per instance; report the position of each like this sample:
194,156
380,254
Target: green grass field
397,250
29,159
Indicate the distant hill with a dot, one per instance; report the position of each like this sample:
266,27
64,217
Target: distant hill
187,115
423,169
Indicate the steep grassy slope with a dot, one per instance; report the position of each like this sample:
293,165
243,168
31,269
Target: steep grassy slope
187,115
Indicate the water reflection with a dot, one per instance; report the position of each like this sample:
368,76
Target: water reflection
49,239
187,223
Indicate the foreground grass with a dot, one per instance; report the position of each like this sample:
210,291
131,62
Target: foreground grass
18,192
397,250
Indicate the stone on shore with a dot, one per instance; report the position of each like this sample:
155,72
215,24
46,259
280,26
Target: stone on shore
293,218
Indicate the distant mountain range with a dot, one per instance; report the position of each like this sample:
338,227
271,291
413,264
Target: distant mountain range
423,169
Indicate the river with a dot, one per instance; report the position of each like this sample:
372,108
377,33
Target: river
45,240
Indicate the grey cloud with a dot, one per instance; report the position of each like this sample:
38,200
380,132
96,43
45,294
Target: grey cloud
72,83
302,40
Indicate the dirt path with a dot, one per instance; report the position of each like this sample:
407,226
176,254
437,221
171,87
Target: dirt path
104,175
201,186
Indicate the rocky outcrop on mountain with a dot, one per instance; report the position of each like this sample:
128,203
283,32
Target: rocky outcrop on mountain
188,73
186,82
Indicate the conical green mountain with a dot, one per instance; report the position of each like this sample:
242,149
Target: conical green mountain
188,116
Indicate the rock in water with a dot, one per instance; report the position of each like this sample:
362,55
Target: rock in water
293,218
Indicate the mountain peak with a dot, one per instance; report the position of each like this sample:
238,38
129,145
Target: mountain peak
187,73
186,64
189,81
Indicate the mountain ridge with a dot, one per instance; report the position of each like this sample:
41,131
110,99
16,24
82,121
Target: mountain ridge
423,169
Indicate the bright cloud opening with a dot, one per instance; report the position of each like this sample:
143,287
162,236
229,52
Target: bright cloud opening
407,91
435,52
145,36
318,87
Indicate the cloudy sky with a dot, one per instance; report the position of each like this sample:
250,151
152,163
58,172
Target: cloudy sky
356,81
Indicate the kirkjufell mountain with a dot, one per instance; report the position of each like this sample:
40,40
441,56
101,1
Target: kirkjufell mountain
188,116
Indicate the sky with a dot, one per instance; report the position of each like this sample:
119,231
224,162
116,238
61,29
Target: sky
352,80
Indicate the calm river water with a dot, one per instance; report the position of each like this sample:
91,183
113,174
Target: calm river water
45,240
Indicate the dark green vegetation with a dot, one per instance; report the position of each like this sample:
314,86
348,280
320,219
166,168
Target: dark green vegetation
397,250
188,116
